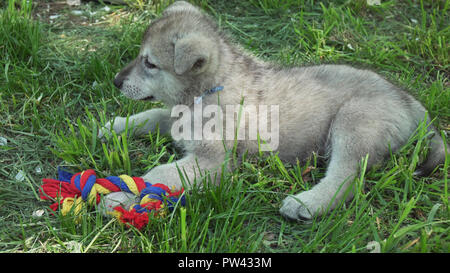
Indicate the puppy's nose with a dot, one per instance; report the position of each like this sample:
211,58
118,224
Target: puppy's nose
118,82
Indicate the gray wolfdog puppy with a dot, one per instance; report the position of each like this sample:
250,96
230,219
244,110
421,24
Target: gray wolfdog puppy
337,111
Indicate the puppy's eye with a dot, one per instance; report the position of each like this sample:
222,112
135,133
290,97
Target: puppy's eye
149,65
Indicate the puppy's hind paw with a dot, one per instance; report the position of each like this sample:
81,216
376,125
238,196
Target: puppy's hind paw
292,209
303,206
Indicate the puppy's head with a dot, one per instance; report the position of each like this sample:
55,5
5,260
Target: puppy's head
178,55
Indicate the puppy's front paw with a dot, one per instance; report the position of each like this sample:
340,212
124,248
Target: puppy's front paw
114,199
303,206
117,125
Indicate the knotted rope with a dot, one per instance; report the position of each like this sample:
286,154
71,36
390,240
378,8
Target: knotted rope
72,191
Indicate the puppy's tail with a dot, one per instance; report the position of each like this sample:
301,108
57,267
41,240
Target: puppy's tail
437,155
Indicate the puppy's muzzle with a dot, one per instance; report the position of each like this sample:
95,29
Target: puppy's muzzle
118,81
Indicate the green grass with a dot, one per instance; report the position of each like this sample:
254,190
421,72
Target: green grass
56,90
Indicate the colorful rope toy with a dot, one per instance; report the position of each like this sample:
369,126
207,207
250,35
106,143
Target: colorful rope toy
71,191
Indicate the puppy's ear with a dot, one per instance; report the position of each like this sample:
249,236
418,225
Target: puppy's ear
193,54
180,6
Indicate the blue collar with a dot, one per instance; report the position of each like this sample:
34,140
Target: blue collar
208,92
